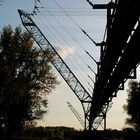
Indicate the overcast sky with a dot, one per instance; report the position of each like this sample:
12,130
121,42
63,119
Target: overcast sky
62,21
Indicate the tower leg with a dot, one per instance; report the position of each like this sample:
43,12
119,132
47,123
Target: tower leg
104,121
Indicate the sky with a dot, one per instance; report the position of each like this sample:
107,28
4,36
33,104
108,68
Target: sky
61,22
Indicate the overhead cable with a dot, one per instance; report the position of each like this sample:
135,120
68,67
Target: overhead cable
75,22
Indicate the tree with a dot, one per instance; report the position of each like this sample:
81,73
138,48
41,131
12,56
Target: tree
133,105
26,78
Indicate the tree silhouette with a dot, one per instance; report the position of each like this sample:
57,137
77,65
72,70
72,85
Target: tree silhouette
133,105
26,78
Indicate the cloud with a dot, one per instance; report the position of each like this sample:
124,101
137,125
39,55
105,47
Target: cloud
65,52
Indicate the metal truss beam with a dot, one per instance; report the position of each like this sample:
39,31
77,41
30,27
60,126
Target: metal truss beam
76,114
58,63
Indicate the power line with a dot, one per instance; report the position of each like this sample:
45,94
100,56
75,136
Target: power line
75,22
76,25
36,7
62,45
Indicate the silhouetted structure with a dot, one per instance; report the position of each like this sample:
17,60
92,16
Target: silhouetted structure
118,61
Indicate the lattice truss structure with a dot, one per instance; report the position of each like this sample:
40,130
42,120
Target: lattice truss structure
119,57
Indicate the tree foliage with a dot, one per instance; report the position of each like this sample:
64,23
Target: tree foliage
133,105
26,78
